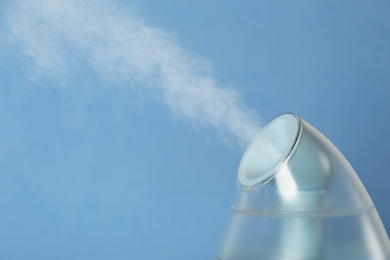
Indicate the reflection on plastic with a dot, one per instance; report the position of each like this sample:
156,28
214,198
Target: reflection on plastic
299,198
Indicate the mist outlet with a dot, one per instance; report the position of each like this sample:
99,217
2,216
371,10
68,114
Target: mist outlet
299,198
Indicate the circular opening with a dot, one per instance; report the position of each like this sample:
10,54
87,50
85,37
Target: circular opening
269,149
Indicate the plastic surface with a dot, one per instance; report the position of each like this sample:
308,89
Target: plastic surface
299,198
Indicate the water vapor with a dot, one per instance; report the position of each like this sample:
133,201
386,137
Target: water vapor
119,46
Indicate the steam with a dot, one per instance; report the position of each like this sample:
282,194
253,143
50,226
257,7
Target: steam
120,47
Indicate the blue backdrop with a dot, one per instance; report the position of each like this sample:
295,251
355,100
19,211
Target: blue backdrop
88,172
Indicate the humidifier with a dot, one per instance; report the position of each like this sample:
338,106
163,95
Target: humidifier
298,198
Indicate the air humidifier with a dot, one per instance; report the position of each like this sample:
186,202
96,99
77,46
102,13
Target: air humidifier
298,198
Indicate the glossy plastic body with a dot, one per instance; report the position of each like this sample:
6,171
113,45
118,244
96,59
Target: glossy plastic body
299,198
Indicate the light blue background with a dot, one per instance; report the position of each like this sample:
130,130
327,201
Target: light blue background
87,173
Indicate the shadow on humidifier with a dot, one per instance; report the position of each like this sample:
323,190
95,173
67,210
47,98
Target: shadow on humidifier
298,198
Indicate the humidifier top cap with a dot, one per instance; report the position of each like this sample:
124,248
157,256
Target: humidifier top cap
291,167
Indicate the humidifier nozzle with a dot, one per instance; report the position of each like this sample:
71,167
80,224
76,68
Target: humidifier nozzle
298,173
